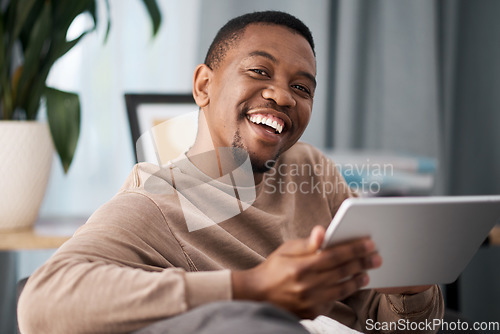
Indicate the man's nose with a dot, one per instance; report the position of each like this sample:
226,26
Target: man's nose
282,96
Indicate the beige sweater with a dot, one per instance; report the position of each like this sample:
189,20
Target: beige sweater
135,261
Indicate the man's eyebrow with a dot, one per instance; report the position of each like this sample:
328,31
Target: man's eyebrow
269,56
309,76
263,54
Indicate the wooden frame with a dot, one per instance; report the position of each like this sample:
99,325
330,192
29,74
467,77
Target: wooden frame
146,111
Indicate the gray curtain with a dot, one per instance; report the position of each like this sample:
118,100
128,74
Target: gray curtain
476,101
422,77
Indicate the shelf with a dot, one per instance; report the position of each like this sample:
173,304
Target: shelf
48,233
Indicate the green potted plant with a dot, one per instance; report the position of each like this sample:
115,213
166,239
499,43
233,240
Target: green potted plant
32,37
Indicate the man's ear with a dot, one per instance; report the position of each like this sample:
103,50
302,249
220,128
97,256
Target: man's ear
201,81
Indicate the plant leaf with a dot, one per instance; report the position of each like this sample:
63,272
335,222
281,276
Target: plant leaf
16,15
22,11
13,18
63,113
2,46
108,19
93,11
65,12
60,49
35,51
27,26
154,14
32,105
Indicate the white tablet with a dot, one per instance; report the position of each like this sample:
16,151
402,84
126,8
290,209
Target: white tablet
422,240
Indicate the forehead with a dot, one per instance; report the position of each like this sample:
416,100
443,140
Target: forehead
282,42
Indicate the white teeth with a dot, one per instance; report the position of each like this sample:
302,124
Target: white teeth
258,119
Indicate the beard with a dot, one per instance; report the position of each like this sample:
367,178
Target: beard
241,152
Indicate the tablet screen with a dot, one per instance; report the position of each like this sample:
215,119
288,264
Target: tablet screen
422,240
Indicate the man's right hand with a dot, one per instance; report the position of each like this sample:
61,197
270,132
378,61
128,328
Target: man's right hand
303,279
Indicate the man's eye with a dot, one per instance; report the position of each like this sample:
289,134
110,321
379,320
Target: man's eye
259,71
302,88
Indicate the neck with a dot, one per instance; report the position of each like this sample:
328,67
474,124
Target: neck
218,162
208,161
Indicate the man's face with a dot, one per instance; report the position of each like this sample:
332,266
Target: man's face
268,77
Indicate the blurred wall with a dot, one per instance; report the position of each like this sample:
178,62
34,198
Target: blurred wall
475,164
476,151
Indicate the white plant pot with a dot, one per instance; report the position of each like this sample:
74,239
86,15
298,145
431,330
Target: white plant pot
26,153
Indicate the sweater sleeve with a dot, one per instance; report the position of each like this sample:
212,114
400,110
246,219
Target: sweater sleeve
121,271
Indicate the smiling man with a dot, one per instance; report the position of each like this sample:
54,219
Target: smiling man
259,95
256,269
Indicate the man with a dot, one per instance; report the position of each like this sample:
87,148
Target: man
255,263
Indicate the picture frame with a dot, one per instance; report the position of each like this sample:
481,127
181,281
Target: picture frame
162,125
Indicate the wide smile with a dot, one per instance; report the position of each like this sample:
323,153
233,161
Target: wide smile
268,121
269,125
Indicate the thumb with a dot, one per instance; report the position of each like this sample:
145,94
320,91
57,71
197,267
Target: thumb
316,238
304,246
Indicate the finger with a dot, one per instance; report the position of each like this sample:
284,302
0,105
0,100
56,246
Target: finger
347,270
304,246
336,256
346,288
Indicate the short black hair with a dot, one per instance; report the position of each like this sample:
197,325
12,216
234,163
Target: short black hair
233,29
